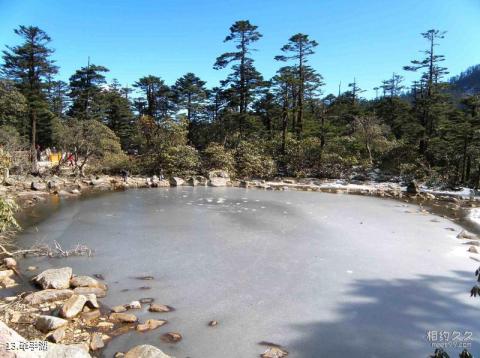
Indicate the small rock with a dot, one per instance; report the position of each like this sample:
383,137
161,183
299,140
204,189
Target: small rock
99,276
90,316
172,337
38,186
473,249
134,305
54,278
119,355
31,268
274,352
145,351
105,325
6,273
86,281
92,301
118,309
73,306
154,307
146,300
464,234
96,341
123,317
150,324
57,335
49,323
9,262
212,323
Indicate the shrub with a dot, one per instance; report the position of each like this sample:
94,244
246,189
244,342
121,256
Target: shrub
179,160
250,161
215,156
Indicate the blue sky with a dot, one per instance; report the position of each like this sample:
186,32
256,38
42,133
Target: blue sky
366,39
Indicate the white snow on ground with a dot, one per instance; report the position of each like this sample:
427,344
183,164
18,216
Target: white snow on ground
462,192
474,216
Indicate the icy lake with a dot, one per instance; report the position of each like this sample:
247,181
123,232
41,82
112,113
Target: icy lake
323,275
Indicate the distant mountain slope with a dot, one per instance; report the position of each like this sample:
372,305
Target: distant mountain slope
467,82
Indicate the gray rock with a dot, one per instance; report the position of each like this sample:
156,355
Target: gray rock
91,301
464,234
176,181
97,291
49,323
218,178
146,351
54,278
57,335
123,317
218,182
96,342
38,186
9,262
73,306
85,281
49,295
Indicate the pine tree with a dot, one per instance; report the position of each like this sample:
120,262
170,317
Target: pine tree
191,94
29,65
85,92
298,48
244,78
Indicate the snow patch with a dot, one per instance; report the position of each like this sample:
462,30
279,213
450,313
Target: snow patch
474,216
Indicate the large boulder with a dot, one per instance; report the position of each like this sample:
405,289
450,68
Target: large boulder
49,323
176,181
49,295
218,178
38,186
146,351
123,317
73,306
54,278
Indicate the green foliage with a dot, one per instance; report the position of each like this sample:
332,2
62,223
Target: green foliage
215,156
179,160
88,140
251,161
13,105
8,207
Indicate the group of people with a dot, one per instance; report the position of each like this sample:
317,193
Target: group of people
55,156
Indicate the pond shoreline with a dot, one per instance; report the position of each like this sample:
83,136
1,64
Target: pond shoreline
29,193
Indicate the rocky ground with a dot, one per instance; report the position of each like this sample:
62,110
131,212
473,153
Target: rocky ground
66,310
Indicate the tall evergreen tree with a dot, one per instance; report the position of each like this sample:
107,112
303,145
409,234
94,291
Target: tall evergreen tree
191,94
299,48
85,92
29,65
244,77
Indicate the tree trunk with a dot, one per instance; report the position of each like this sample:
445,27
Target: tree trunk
33,141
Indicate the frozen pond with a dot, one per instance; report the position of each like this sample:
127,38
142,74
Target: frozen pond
323,275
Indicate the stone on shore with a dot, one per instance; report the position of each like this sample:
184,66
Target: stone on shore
150,324
274,352
176,181
49,295
57,335
38,186
49,323
91,301
134,305
97,291
9,262
123,317
172,337
118,309
73,306
96,342
146,351
154,307
464,234
54,278
218,178
86,281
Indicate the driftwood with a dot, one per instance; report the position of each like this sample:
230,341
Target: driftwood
46,250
